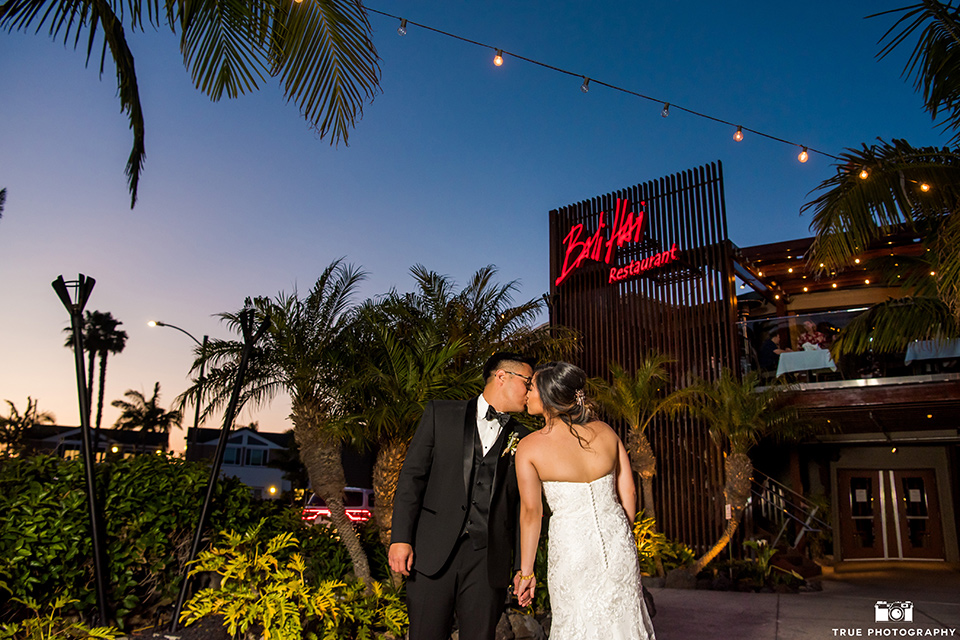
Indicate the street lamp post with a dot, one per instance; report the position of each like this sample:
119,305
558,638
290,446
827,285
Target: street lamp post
192,440
82,287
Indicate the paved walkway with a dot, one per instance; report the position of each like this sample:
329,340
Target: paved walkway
845,607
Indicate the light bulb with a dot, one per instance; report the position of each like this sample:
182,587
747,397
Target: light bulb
498,59
402,29
803,155
738,136
924,187
666,110
866,282
586,85
864,174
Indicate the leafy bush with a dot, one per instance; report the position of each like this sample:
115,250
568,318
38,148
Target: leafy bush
264,587
150,505
51,625
652,544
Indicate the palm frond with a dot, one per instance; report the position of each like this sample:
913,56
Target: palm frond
889,327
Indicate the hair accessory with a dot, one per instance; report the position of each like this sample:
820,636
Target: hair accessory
581,397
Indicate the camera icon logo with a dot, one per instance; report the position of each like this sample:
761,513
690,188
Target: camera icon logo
895,611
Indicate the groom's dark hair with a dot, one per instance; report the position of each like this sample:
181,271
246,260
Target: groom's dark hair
497,360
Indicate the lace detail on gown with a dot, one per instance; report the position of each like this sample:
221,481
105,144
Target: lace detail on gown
592,570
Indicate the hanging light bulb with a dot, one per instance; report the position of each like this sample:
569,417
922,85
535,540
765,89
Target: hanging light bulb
804,156
586,85
402,29
738,136
666,110
864,174
498,59
924,187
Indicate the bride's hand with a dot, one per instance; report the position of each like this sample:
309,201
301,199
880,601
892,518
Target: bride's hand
524,590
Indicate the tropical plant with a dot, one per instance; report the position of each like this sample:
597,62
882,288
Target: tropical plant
50,624
263,587
893,187
638,399
146,415
101,337
321,52
738,414
16,424
304,354
655,551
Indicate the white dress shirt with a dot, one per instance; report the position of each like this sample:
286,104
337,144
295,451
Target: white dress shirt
489,430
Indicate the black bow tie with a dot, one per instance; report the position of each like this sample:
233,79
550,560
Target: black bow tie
493,414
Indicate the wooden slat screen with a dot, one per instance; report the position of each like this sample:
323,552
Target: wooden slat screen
686,310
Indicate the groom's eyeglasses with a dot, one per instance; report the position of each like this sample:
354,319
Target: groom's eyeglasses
527,380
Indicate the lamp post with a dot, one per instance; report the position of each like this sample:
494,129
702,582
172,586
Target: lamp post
192,440
81,289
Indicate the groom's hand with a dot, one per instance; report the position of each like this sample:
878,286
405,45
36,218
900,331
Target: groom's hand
401,557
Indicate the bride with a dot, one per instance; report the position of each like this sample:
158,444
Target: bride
583,469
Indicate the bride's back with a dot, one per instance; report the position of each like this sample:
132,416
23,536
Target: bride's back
559,456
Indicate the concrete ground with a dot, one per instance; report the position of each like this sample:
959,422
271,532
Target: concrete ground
844,608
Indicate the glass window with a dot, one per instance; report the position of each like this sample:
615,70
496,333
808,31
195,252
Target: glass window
256,457
232,455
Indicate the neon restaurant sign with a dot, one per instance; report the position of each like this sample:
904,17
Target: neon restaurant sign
627,227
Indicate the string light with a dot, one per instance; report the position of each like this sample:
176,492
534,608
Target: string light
864,174
402,30
498,59
803,155
924,187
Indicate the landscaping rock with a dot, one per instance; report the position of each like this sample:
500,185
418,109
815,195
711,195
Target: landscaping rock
525,627
680,579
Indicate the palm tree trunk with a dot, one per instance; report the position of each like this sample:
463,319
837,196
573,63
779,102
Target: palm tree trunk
321,457
644,463
738,470
386,474
103,378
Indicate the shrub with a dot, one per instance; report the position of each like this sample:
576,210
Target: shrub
51,625
264,587
150,505
652,544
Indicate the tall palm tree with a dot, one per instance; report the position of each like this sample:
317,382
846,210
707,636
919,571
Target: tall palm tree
3,200
146,415
319,51
14,425
880,188
637,399
101,337
304,354
738,414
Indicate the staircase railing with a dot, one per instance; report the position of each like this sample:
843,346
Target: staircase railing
782,506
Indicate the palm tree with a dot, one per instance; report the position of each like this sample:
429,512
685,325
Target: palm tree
637,399
739,414
146,415
3,200
304,354
16,424
320,52
886,187
101,337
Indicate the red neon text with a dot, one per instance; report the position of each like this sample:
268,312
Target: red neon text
639,266
627,227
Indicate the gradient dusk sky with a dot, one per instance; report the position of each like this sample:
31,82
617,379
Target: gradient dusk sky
455,165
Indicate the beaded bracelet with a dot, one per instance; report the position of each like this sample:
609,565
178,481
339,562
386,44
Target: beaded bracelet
529,577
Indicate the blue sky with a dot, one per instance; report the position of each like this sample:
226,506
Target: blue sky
455,164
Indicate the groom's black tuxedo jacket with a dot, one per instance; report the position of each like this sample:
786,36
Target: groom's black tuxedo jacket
431,502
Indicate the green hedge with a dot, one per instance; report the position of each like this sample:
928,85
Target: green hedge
150,507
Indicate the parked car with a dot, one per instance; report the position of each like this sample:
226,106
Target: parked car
358,502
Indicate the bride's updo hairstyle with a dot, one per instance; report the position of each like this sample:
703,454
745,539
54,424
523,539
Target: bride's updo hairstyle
561,388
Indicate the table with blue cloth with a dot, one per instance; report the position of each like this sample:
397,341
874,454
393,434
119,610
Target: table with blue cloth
805,360
932,350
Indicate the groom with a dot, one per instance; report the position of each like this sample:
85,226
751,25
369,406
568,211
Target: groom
455,510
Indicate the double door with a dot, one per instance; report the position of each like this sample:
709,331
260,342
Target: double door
889,514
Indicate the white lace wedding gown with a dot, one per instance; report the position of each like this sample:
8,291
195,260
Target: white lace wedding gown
592,570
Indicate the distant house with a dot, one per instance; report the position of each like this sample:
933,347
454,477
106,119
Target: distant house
65,442
247,457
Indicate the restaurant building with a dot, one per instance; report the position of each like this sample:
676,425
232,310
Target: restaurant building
651,268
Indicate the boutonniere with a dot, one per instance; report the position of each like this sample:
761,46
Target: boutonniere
511,447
